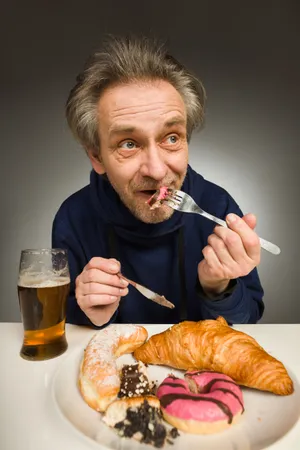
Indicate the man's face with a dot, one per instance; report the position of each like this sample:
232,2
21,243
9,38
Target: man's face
142,129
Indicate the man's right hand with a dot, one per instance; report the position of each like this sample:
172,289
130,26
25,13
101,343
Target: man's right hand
99,289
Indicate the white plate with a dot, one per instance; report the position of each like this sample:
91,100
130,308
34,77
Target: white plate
267,417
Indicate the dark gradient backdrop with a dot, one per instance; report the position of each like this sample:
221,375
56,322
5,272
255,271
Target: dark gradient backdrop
247,54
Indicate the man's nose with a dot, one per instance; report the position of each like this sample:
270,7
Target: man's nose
153,164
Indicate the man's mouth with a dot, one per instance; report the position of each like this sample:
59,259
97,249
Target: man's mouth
155,197
148,191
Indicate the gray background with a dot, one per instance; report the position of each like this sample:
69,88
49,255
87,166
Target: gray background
246,54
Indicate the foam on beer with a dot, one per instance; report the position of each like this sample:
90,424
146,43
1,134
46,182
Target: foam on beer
31,281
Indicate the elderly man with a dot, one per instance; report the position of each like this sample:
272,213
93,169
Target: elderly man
133,109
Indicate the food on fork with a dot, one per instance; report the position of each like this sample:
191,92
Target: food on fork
156,200
140,418
99,379
214,345
203,403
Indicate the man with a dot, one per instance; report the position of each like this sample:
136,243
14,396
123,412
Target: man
134,109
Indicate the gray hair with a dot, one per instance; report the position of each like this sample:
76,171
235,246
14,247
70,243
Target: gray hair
125,60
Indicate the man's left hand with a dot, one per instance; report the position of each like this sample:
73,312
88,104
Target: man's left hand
231,253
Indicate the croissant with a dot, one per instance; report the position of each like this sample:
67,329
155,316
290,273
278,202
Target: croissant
213,345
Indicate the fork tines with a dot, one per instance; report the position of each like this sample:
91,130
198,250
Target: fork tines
175,196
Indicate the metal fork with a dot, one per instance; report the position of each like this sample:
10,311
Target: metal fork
181,201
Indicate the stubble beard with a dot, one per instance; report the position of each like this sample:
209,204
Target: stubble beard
142,210
147,215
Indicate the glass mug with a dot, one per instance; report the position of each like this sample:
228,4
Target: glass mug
43,288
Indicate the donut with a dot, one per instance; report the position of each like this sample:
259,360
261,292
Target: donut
99,378
135,381
201,403
139,418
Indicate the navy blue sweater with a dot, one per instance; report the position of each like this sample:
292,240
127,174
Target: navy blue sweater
164,257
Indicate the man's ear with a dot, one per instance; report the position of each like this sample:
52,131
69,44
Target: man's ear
96,162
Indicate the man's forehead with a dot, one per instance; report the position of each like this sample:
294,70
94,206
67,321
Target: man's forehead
140,106
123,127
123,98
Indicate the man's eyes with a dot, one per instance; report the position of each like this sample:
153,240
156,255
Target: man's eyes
128,145
132,145
172,139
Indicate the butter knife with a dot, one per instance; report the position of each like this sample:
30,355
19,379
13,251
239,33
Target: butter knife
160,299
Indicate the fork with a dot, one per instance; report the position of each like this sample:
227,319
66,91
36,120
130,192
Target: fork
181,201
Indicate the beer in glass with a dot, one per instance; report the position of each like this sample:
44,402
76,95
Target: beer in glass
43,288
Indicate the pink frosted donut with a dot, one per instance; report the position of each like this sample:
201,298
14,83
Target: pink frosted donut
204,402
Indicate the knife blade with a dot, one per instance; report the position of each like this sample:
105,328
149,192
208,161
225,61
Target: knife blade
160,299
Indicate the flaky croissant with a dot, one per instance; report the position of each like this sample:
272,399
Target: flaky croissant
214,345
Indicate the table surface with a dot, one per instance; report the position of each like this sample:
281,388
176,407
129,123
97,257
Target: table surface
29,420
